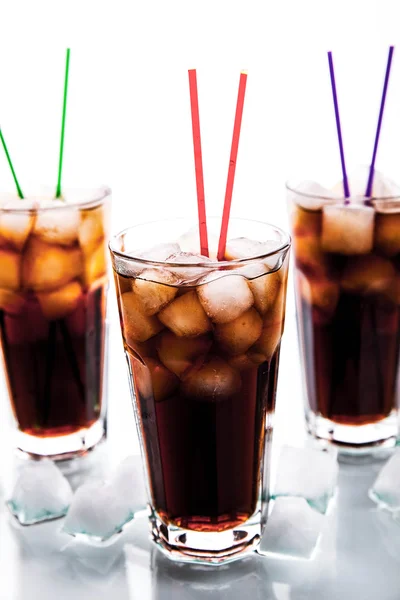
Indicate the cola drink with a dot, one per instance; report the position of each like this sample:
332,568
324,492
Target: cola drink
203,344
53,284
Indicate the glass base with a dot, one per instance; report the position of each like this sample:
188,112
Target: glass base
208,548
63,447
355,439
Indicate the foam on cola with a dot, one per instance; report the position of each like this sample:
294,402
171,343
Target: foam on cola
203,347
52,311
347,281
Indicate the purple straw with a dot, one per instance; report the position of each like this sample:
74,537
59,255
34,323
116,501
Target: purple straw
339,129
368,191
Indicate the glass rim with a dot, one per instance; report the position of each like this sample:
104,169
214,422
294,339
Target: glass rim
285,245
99,194
291,187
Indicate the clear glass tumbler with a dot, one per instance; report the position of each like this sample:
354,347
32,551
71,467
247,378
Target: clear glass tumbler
347,283
53,286
202,341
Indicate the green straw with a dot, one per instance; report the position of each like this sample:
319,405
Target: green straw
60,162
20,194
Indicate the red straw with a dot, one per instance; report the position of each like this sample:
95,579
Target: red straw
232,166
198,163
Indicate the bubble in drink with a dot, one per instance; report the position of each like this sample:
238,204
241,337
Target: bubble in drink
185,316
180,354
151,295
238,335
348,229
226,298
215,380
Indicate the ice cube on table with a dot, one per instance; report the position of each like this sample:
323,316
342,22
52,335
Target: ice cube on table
10,268
128,483
97,512
310,195
214,380
180,354
185,316
386,489
59,303
16,221
46,266
154,289
293,529
41,492
238,335
190,242
137,327
368,274
226,298
308,473
348,229
57,223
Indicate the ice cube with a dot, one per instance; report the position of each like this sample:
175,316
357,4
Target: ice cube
16,225
386,488
242,247
348,229
57,304
269,339
155,296
293,529
180,354
185,316
382,185
226,298
321,293
189,242
10,267
387,232
97,511
238,335
308,473
10,301
41,492
128,483
159,252
265,289
368,274
57,223
313,196
191,273
137,327
306,222
214,381
91,229
46,266
95,265
310,258
152,379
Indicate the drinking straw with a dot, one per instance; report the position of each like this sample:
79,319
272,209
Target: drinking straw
232,166
368,191
198,163
60,161
19,191
346,189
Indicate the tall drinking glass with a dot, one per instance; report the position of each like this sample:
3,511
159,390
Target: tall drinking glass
347,283
53,284
202,341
